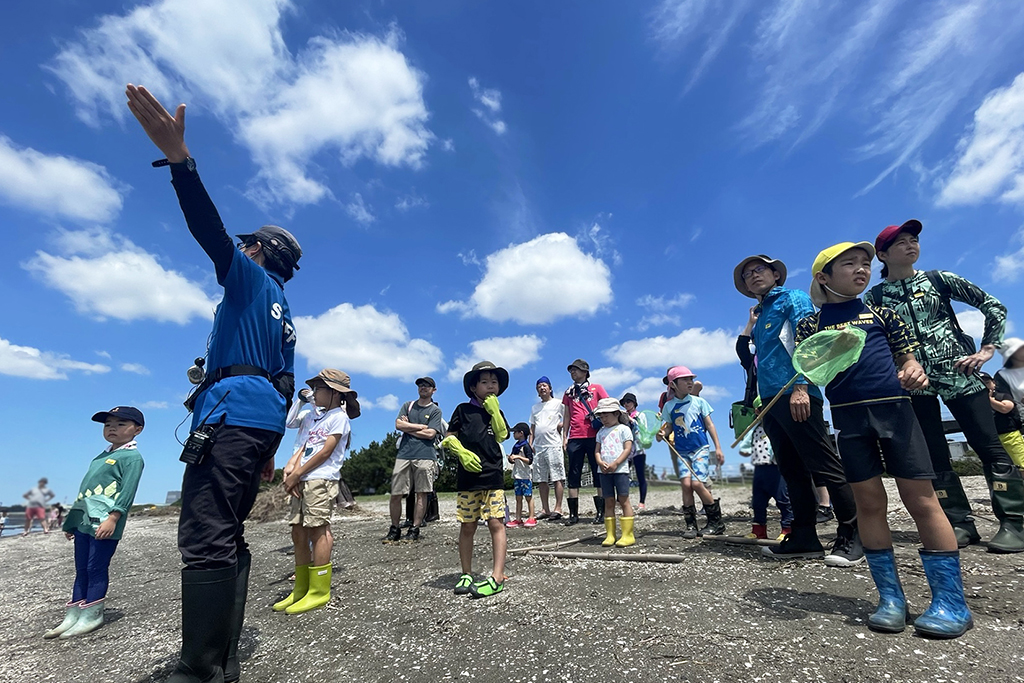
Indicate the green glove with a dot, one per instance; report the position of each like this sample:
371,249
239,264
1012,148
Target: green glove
470,460
498,425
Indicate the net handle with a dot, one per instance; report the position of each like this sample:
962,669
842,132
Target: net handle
764,411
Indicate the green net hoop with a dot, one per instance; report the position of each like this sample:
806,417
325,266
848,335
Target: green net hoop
825,354
648,423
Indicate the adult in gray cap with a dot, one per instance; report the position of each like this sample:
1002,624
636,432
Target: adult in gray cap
419,422
241,406
579,436
796,425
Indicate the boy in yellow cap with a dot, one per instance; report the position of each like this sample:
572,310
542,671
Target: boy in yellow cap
876,432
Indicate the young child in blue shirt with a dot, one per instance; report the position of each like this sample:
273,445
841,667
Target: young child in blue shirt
689,419
877,431
521,460
96,520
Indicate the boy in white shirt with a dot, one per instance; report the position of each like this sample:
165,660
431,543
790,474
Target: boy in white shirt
311,477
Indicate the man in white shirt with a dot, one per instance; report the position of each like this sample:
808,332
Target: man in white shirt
546,439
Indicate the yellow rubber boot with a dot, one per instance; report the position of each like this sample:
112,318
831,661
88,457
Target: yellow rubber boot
319,593
627,533
299,591
609,525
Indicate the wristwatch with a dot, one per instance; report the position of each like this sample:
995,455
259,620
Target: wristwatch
190,164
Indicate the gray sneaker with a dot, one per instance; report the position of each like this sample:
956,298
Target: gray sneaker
847,550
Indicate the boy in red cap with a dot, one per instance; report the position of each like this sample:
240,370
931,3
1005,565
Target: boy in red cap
876,432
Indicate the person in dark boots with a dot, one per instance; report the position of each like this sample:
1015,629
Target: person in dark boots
688,418
923,300
239,408
579,436
878,432
795,425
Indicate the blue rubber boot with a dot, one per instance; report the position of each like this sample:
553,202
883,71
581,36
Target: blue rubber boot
948,616
891,615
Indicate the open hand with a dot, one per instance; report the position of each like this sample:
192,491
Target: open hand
167,132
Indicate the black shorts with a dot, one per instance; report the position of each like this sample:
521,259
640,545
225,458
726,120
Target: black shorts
881,437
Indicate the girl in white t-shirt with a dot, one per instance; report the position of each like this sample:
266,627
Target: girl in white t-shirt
311,477
1012,371
614,444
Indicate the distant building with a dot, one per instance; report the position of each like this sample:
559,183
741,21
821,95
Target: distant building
172,497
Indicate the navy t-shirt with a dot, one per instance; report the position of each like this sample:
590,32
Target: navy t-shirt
253,326
472,425
872,379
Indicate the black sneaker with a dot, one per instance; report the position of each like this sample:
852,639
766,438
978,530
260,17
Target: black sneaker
413,534
805,546
847,550
394,535
406,524
825,514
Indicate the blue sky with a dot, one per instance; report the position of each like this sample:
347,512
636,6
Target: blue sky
527,183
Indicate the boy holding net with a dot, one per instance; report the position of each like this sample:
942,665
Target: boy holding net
876,431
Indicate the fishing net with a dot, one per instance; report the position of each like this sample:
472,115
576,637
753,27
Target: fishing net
648,423
825,354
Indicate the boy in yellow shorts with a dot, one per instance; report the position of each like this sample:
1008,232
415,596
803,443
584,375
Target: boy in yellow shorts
475,432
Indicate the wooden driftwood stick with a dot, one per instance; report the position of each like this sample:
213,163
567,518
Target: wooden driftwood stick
547,546
566,555
742,540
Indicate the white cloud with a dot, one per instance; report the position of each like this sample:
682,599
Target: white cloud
657,320
694,347
358,210
353,95
612,378
1009,267
647,392
411,201
387,402
26,361
136,368
537,282
107,276
712,393
601,241
661,304
490,98
363,340
55,185
991,154
103,354
510,353
972,321
154,405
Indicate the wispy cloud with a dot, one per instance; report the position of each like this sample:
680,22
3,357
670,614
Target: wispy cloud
904,68
490,110
32,363
358,210
1010,266
136,368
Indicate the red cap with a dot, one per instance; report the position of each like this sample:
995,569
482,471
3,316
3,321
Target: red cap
888,236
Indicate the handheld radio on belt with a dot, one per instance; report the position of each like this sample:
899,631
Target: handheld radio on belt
200,441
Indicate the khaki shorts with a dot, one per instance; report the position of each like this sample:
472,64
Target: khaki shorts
417,474
472,506
316,504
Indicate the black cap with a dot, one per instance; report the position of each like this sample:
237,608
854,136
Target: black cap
429,381
280,243
522,427
122,412
629,396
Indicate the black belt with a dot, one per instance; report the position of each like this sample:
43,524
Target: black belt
223,373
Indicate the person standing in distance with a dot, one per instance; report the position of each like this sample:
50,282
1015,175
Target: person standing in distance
546,440
251,354
579,436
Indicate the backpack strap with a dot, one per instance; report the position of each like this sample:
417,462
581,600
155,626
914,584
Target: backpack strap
875,294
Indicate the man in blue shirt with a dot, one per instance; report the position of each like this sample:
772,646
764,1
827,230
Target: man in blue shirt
244,400
796,425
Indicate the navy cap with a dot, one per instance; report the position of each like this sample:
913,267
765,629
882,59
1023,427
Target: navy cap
123,412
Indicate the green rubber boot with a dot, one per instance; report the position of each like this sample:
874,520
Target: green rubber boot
70,619
298,591
953,500
319,593
90,619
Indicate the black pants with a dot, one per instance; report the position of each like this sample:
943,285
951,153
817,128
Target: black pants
578,450
806,459
974,415
218,493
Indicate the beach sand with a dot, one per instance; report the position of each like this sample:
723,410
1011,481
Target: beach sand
724,614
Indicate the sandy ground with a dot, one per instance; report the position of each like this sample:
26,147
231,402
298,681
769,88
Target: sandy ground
725,614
